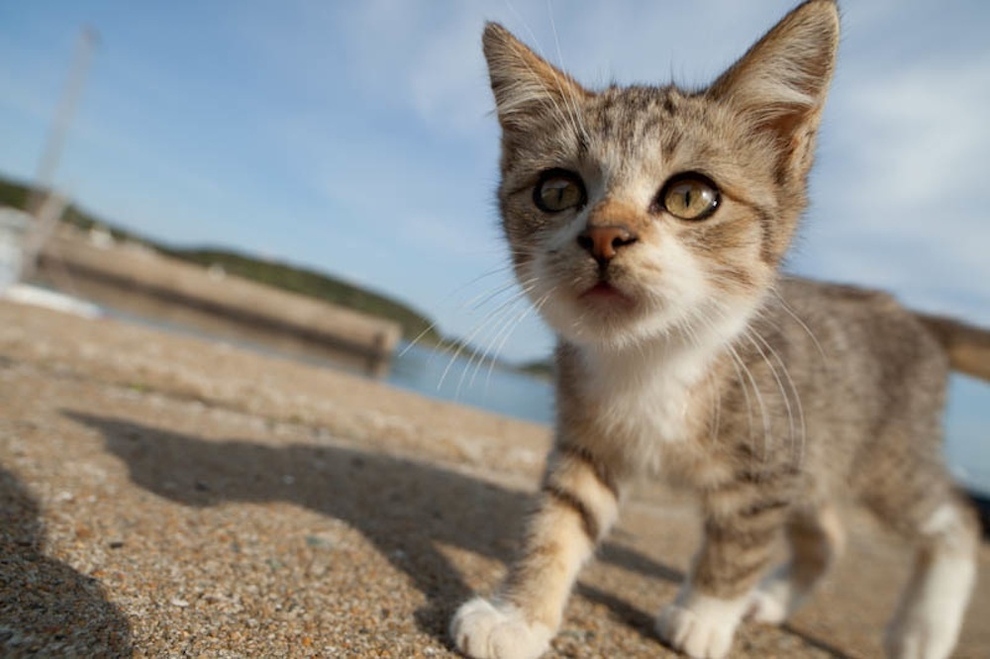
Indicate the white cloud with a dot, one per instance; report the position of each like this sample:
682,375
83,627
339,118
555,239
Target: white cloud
922,134
447,82
393,95
900,194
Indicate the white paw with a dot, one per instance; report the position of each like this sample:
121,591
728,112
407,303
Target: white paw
483,630
919,639
773,601
767,608
916,644
929,618
701,626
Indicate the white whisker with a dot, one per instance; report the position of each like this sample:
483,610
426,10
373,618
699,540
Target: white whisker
471,337
799,438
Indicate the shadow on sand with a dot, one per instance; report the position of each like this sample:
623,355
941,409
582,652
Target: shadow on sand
401,506
47,609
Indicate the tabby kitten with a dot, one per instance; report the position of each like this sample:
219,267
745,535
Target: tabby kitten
648,225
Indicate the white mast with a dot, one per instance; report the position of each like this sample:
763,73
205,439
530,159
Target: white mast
43,203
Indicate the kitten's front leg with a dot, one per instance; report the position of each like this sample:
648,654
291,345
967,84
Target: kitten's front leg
578,504
740,531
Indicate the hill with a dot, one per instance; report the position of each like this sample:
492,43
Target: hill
279,275
313,284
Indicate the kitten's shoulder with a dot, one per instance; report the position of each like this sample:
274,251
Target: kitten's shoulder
842,316
800,292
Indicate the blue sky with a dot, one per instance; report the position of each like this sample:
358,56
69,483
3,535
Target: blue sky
356,137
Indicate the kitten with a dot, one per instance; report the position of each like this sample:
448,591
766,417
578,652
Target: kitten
648,225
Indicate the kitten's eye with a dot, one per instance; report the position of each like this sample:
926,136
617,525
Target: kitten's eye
558,190
689,196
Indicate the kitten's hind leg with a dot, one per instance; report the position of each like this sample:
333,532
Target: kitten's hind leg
817,540
930,615
743,523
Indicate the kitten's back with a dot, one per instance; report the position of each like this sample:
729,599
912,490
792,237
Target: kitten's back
871,378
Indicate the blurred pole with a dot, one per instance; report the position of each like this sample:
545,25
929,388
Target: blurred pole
43,203
57,133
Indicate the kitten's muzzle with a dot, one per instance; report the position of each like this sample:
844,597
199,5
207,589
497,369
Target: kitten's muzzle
604,242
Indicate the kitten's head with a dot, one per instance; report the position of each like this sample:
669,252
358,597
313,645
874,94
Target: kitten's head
636,212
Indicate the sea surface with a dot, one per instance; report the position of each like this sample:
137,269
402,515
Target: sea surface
455,377
446,376
967,445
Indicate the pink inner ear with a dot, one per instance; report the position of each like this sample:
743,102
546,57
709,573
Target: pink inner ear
785,76
525,85
780,84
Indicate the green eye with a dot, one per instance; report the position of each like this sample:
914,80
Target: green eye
558,190
689,196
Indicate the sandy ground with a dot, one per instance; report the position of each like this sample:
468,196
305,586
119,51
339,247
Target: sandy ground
162,496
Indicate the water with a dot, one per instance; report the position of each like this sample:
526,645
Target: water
416,368
500,390
521,396
967,435
504,391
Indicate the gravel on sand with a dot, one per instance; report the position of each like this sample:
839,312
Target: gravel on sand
165,496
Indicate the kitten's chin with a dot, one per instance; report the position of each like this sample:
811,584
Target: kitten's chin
604,316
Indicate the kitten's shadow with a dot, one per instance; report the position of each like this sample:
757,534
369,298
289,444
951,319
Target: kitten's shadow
404,508
46,607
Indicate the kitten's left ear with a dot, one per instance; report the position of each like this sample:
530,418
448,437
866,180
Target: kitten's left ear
780,84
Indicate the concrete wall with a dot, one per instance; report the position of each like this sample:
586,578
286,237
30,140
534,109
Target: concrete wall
71,254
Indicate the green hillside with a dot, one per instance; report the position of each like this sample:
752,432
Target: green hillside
313,284
279,275
13,194
541,368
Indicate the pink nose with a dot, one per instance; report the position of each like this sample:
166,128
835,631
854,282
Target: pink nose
604,242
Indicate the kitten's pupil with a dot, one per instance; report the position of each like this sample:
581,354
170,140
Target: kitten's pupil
559,193
558,190
689,196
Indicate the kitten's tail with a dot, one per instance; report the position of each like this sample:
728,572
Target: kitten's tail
968,346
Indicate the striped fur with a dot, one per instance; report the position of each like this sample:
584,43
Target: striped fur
684,351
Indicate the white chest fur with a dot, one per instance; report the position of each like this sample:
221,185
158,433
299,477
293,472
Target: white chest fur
644,397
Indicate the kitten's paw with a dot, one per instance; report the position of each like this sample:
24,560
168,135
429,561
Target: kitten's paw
484,630
767,607
701,626
775,599
919,639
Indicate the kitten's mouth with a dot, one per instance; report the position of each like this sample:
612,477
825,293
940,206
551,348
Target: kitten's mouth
605,293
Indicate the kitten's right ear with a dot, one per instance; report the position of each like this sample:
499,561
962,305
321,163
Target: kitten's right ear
781,82
526,86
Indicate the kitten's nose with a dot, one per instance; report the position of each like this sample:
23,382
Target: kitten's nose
603,242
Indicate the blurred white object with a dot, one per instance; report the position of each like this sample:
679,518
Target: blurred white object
42,297
14,225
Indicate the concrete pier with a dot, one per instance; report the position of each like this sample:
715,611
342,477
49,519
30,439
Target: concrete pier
71,259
